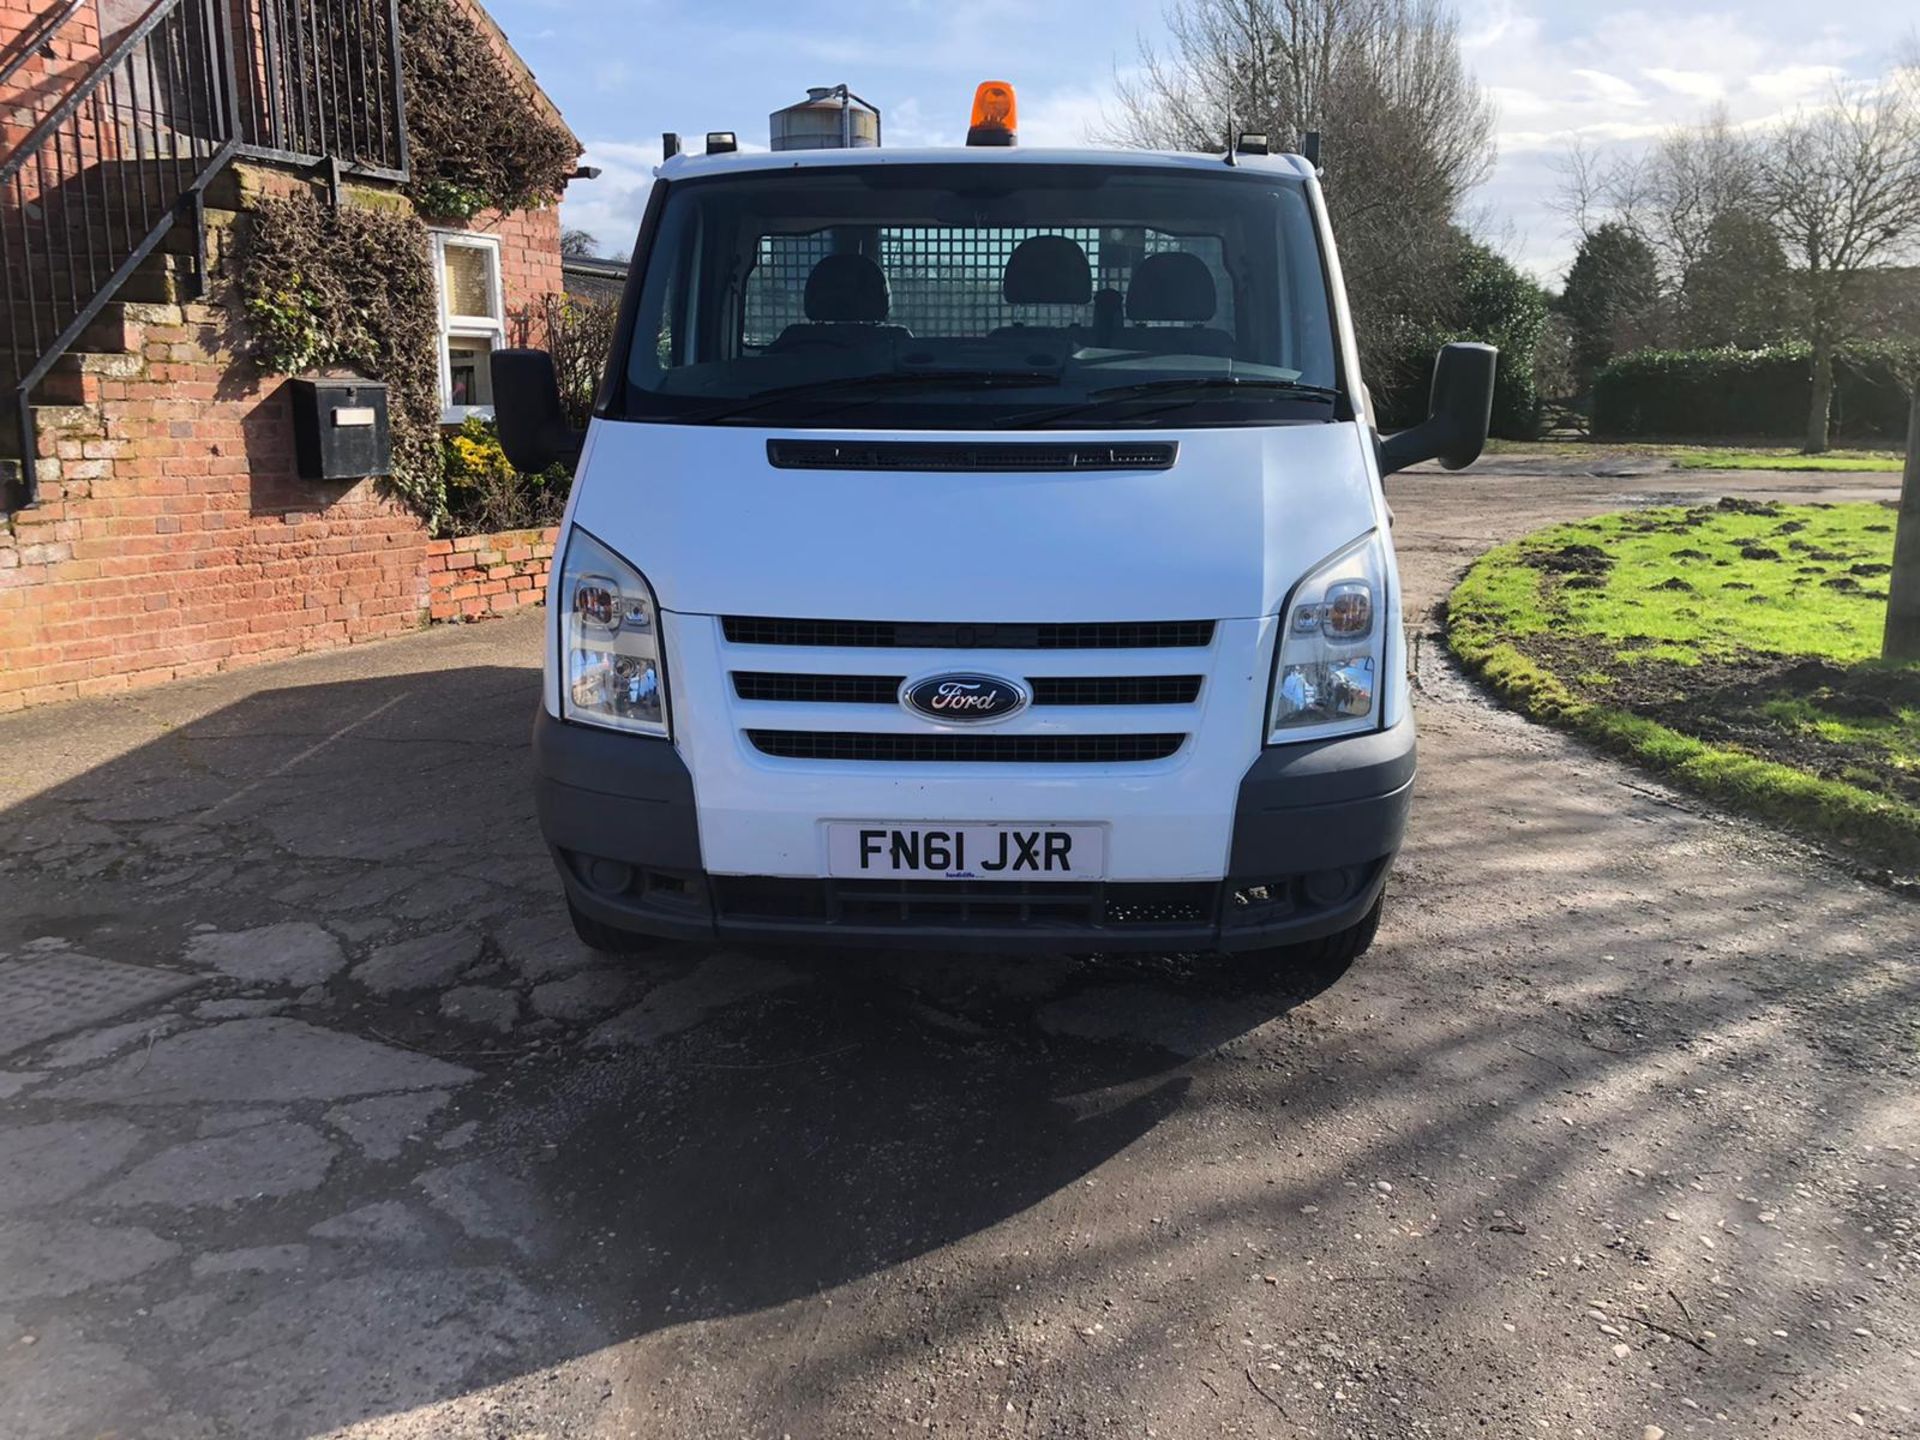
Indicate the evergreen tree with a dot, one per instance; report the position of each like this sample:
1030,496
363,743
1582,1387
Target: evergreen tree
1611,299
1738,289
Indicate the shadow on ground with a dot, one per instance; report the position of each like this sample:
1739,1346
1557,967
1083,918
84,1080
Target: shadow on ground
402,1158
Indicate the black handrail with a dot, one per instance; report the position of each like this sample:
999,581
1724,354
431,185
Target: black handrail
37,35
128,153
321,81
102,179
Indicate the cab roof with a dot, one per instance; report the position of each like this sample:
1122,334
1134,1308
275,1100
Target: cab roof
686,166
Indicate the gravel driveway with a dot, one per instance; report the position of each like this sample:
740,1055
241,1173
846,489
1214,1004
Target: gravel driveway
314,1120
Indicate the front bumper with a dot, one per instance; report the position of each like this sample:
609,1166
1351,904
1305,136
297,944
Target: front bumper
1315,830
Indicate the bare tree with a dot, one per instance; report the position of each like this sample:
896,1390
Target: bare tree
1697,184
578,245
1598,189
1694,178
1407,130
578,333
1842,187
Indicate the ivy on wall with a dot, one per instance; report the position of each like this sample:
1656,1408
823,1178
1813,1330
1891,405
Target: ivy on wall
353,288
476,141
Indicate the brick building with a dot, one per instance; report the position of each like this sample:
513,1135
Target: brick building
161,529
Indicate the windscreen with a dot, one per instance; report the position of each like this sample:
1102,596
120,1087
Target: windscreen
983,295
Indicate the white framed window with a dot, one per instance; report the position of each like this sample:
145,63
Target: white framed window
473,321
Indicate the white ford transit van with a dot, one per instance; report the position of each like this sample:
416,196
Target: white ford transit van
980,548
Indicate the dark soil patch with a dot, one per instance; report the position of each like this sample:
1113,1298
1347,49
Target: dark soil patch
1790,527
1870,569
1841,582
1673,582
1751,551
1734,505
1690,554
1724,702
1570,560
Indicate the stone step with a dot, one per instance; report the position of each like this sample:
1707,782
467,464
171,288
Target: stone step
49,421
76,376
121,325
162,280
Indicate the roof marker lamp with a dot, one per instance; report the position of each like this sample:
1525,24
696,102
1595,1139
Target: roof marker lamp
1330,657
610,641
996,115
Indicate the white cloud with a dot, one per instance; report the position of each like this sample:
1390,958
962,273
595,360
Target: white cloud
1798,82
609,207
1608,89
1694,84
1618,78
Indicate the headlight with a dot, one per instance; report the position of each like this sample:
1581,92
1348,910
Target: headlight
1330,658
610,670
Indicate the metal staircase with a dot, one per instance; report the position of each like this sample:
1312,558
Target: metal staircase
122,162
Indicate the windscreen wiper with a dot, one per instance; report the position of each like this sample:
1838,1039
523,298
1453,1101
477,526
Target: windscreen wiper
885,380
1177,391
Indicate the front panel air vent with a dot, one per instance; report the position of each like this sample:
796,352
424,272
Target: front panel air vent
940,749
905,634
779,686
967,904
945,456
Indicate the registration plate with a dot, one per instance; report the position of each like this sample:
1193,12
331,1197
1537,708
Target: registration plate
966,852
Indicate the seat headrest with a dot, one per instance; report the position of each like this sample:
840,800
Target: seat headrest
1047,270
848,288
1173,285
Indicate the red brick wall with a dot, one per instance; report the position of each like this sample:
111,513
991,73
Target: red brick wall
173,538
477,576
41,82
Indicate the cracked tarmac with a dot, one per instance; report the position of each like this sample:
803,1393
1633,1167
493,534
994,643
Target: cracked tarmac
316,1121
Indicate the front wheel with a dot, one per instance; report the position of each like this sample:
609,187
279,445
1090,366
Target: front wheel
1313,965
608,939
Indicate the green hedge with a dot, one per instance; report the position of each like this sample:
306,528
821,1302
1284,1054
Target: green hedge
1709,394
1493,302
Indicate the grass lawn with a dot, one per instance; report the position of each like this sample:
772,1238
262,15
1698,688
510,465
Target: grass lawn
1706,457
1733,647
1689,458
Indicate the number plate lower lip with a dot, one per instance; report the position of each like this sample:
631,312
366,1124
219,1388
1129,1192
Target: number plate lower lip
1068,851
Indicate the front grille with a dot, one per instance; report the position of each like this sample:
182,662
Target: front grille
1116,690
1047,690
817,689
958,903
919,635
926,456
986,749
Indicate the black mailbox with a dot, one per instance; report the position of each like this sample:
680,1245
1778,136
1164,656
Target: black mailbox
340,429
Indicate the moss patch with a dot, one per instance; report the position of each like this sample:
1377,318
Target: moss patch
1732,647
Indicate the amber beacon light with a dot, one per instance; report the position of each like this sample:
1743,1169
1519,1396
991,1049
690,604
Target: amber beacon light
996,116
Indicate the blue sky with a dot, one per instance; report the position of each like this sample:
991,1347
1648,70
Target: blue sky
625,70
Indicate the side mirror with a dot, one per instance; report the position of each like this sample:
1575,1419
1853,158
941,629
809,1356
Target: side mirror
526,406
1459,412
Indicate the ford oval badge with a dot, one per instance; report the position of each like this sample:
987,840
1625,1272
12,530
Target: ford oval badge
964,698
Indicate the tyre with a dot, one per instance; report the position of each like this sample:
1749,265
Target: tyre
1313,965
608,939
